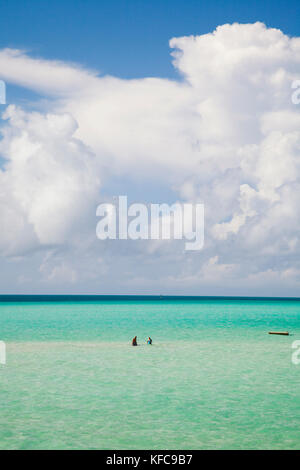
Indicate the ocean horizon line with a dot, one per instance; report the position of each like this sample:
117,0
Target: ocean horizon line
131,297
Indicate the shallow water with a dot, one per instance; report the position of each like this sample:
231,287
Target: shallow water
213,378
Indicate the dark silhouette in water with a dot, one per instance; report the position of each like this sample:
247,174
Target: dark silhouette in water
149,341
134,341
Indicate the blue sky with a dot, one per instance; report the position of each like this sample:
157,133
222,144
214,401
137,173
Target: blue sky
128,38
214,123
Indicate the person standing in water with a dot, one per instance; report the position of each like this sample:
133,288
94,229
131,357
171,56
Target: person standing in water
149,340
134,341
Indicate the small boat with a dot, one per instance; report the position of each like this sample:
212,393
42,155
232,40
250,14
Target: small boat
285,333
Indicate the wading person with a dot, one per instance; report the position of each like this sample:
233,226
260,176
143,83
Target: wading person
134,341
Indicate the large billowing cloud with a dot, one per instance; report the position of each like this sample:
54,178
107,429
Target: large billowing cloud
48,183
226,134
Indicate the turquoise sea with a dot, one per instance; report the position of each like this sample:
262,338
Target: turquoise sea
213,378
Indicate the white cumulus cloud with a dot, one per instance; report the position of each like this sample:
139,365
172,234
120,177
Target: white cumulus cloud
226,133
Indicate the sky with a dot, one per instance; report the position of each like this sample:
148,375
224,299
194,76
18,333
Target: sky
164,101
128,38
